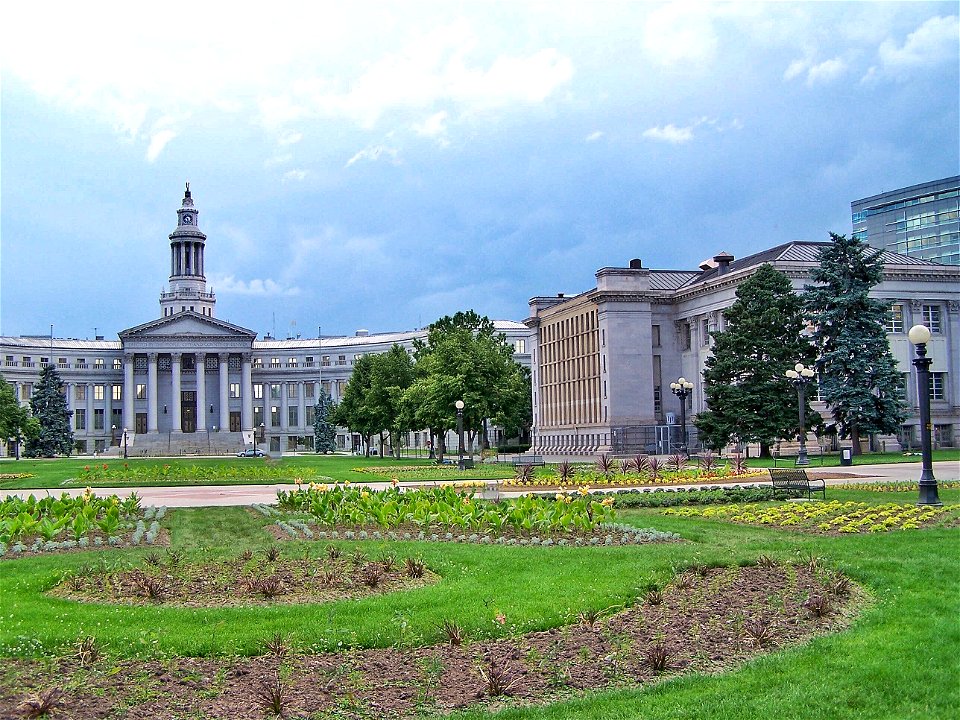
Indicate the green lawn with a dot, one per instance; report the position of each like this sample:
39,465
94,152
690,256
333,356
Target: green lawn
899,659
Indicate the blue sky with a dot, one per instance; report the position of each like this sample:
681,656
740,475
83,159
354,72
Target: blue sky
378,165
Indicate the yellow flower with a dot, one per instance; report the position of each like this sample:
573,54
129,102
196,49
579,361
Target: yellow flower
364,493
584,489
559,496
394,482
607,501
346,482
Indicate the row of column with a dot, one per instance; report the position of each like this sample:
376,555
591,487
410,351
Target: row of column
186,258
284,401
129,392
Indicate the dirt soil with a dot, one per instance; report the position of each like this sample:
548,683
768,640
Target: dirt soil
707,620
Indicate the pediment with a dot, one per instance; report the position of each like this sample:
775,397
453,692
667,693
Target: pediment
187,325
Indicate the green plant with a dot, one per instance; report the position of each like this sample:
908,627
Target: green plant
657,657
759,631
496,675
278,646
269,587
414,567
272,553
564,472
452,631
523,473
604,465
273,697
819,605
150,586
654,597
87,651
371,575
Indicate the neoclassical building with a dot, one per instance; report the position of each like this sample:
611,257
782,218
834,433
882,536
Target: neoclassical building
603,360
189,382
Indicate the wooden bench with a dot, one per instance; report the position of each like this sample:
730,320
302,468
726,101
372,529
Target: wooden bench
528,460
795,480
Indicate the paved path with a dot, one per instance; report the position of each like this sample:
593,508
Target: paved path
232,495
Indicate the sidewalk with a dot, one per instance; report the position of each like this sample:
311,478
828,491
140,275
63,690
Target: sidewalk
238,495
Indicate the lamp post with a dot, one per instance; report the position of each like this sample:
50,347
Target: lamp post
920,335
262,438
682,389
124,443
459,405
801,376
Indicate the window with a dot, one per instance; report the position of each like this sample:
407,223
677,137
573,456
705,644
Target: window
258,392
274,416
98,416
80,419
80,392
943,435
234,390
657,400
293,418
117,364
62,363
98,364
116,415
341,360
81,363
164,363
930,316
10,362
211,362
311,415
894,322
27,361
258,363
275,362
520,346
308,362
325,361
98,392
685,335
704,332
325,386
308,390
292,391
655,334
140,363
141,391
341,386
937,383
189,362
44,361
26,391
275,391
257,416
292,362
235,363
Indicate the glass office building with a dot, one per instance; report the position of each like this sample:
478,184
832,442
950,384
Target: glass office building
920,221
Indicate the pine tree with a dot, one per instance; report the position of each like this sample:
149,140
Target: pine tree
324,432
748,396
859,379
49,407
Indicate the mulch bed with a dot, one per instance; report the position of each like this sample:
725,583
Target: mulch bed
707,620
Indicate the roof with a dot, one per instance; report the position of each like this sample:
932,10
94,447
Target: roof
388,338
671,279
41,342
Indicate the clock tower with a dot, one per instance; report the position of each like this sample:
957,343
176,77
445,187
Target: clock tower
188,284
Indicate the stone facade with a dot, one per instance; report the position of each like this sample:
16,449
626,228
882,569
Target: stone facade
603,360
189,382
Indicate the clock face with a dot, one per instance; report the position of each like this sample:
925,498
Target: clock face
187,219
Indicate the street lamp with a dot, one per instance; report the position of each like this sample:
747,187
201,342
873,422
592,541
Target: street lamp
262,438
682,389
801,376
459,405
920,335
124,443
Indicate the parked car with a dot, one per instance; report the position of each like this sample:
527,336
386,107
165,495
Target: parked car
250,453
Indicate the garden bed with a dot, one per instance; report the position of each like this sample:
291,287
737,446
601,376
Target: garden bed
740,613
268,578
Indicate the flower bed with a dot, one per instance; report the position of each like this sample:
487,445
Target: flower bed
822,517
66,523
135,473
898,486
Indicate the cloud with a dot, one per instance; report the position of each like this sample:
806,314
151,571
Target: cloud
823,72
295,175
290,138
434,126
596,135
670,133
158,141
374,153
680,33
229,285
281,159
935,41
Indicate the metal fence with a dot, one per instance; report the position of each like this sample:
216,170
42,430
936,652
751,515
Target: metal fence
652,439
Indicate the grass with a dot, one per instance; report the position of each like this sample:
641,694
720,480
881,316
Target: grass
898,660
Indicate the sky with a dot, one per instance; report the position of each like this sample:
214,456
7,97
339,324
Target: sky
380,165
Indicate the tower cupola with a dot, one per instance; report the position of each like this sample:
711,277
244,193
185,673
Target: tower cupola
188,284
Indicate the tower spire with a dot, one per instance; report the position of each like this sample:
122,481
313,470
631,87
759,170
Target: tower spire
188,282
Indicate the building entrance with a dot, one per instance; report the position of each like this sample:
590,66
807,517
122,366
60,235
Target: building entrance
141,423
188,411
234,421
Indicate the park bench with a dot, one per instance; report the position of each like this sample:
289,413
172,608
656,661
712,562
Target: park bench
528,460
795,480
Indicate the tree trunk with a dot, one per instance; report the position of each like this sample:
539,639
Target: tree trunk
366,443
855,439
441,445
484,437
765,450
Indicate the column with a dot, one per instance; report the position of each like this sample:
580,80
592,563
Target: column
284,426
224,391
152,426
108,409
175,418
71,405
246,392
201,392
301,405
90,424
129,393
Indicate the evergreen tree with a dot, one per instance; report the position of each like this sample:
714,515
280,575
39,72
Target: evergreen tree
859,379
49,407
324,432
749,398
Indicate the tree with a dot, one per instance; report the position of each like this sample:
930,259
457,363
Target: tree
15,421
859,379
49,407
352,412
324,432
391,373
464,358
748,397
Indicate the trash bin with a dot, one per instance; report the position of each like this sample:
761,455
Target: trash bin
846,456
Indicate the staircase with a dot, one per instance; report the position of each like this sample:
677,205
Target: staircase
175,444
